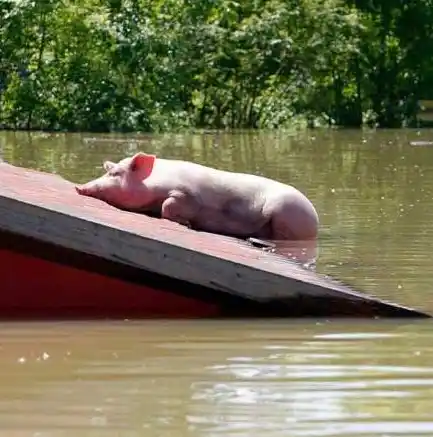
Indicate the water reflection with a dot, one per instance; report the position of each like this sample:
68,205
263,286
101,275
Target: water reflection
217,378
323,384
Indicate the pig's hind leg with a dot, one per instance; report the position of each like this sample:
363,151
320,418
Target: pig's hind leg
181,208
294,220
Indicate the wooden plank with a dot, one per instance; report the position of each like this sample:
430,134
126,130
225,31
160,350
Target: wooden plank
47,208
79,285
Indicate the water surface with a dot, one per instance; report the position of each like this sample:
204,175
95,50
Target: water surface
214,378
373,192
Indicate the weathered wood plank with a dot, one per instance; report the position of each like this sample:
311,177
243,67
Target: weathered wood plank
47,208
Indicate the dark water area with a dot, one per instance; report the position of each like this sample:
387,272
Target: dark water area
374,194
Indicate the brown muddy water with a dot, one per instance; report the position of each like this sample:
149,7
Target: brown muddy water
374,195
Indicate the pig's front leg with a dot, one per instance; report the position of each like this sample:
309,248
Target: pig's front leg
180,207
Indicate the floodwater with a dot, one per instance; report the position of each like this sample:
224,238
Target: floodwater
374,195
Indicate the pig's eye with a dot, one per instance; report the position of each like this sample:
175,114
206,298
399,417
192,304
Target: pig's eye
115,173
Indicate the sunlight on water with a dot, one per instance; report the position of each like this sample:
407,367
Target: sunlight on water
217,378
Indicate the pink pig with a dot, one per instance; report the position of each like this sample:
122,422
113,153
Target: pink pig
205,198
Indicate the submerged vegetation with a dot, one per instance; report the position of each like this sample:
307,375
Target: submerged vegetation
103,65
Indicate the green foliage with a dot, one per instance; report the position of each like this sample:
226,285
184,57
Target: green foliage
149,65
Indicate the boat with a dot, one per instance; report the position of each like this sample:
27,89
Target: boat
63,255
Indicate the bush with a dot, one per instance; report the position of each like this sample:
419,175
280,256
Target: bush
147,65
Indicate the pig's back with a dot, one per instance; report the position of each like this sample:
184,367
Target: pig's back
200,176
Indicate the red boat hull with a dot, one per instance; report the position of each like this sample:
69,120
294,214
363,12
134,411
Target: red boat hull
36,288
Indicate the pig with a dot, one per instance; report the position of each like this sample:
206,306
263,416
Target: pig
206,199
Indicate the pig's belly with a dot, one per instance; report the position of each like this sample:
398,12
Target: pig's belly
226,221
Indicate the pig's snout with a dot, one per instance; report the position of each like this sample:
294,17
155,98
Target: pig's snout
94,189
80,189
85,190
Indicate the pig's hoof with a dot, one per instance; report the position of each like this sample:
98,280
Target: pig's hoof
182,222
262,244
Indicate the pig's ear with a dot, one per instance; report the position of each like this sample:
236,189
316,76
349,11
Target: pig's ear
142,163
108,165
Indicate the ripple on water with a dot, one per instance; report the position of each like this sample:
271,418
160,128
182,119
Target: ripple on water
245,378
